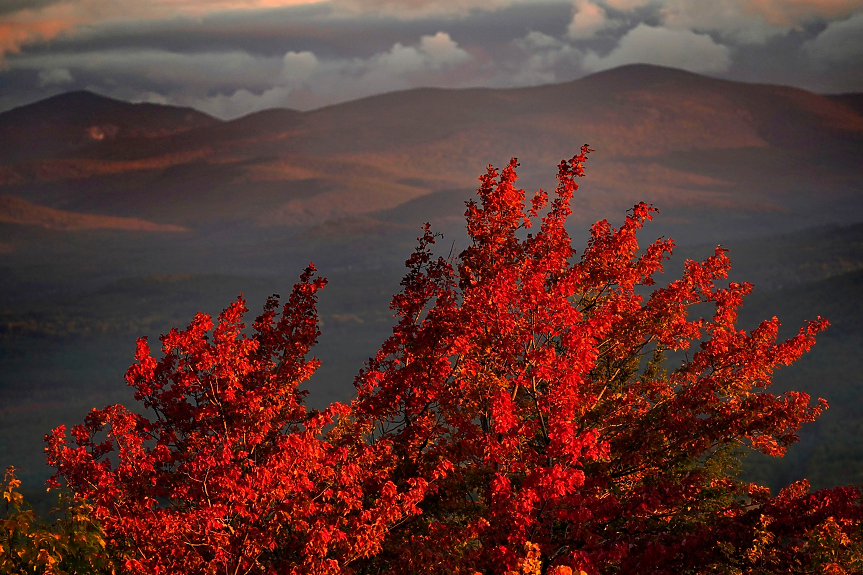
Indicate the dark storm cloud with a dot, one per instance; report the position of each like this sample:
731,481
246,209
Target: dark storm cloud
239,60
319,28
11,6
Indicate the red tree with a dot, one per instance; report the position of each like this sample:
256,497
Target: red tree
234,475
521,418
538,379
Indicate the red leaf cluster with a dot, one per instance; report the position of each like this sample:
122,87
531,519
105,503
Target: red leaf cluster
235,475
522,418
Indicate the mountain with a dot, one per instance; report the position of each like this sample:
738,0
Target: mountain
716,155
348,185
67,124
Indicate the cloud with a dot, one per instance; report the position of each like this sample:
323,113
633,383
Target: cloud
298,79
55,76
840,42
588,19
400,67
162,68
418,8
432,53
40,23
298,66
548,60
245,82
727,17
33,25
793,12
231,57
535,41
626,5
654,45
239,103
440,51
752,21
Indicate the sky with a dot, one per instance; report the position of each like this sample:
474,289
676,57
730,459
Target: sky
233,57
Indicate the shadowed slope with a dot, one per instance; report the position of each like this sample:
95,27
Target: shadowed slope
18,211
853,100
69,123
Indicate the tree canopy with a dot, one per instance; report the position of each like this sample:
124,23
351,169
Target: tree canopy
535,410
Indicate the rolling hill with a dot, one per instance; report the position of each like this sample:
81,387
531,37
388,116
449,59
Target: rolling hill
17,211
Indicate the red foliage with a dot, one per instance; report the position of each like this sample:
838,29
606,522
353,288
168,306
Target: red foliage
519,419
234,475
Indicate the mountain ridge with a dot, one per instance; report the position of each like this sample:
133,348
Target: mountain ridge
69,122
674,138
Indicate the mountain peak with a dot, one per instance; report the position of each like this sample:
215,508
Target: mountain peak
79,97
631,75
83,104
71,121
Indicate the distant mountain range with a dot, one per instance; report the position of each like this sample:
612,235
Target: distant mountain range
67,125
720,156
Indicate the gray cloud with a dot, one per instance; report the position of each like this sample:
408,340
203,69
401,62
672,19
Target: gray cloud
840,42
55,76
238,60
12,6
729,18
209,81
162,69
588,19
546,60
305,82
675,48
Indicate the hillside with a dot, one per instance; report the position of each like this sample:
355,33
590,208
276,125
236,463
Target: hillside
70,123
715,152
17,211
